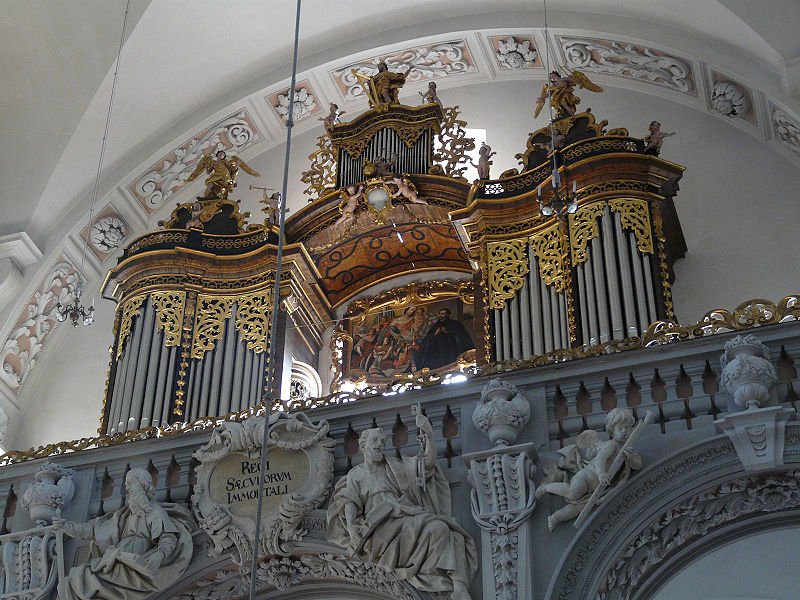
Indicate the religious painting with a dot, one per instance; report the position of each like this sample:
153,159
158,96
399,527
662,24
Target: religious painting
402,332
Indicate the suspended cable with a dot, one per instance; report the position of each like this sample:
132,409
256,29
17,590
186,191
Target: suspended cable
276,303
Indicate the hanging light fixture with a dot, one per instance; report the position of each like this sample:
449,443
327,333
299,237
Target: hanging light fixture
74,311
565,202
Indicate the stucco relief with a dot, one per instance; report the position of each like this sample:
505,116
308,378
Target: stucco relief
787,128
632,61
306,102
731,98
168,175
34,326
106,233
429,61
515,52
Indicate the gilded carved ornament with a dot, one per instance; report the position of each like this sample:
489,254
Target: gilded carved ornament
253,319
508,265
321,176
549,247
408,134
131,308
169,308
212,311
453,145
634,214
582,229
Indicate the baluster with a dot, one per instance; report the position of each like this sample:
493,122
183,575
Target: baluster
711,387
608,397
787,374
560,411
350,445
583,404
633,395
9,510
683,389
399,435
449,431
658,392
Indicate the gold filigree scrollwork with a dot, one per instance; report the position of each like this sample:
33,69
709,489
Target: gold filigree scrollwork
582,229
453,144
131,308
253,319
321,176
169,314
408,134
550,248
508,264
634,214
209,322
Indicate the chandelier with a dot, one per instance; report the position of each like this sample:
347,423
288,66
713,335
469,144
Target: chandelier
75,311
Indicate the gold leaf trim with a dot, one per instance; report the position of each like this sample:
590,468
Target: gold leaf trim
508,264
454,145
131,308
169,308
209,322
549,247
253,320
634,214
583,228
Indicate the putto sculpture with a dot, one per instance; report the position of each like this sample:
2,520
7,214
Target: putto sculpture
140,549
396,512
587,470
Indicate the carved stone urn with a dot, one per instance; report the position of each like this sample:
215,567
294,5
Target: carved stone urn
502,412
747,373
46,496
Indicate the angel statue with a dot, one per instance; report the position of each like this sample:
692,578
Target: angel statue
560,93
591,463
222,174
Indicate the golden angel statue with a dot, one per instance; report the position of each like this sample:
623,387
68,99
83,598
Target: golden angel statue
222,173
560,93
382,88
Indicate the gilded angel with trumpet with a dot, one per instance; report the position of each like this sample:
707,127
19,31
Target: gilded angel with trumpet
560,93
222,173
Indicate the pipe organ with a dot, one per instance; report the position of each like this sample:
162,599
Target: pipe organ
405,136
192,327
600,273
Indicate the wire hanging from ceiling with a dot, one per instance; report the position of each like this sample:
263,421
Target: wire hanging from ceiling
276,300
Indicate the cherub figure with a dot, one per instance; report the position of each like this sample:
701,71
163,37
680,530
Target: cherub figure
349,205
430,97
333,117
405,190
222,174
584,466
385,167
559,90
655,139
194,220
485,153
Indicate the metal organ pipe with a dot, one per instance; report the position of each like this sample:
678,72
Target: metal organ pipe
536,303
625,275
505,313
638,283
612,274
601,298
516,346
525,313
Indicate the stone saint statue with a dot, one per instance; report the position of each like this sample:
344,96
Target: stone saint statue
140,549
396,512
222,173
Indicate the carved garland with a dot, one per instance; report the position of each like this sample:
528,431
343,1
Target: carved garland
321,176
453,144
548,246
253,320
582,229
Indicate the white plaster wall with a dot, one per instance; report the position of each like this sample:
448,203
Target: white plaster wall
737,204
759,567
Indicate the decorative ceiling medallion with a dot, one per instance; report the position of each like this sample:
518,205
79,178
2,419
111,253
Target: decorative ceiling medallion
515,52
32,329
632,61
168,175
787,128
306,102
731,98
106,233
429,61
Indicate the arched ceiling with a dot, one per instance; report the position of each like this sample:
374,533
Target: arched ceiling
200,72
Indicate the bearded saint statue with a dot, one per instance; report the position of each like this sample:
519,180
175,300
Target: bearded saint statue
142,548
396,512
